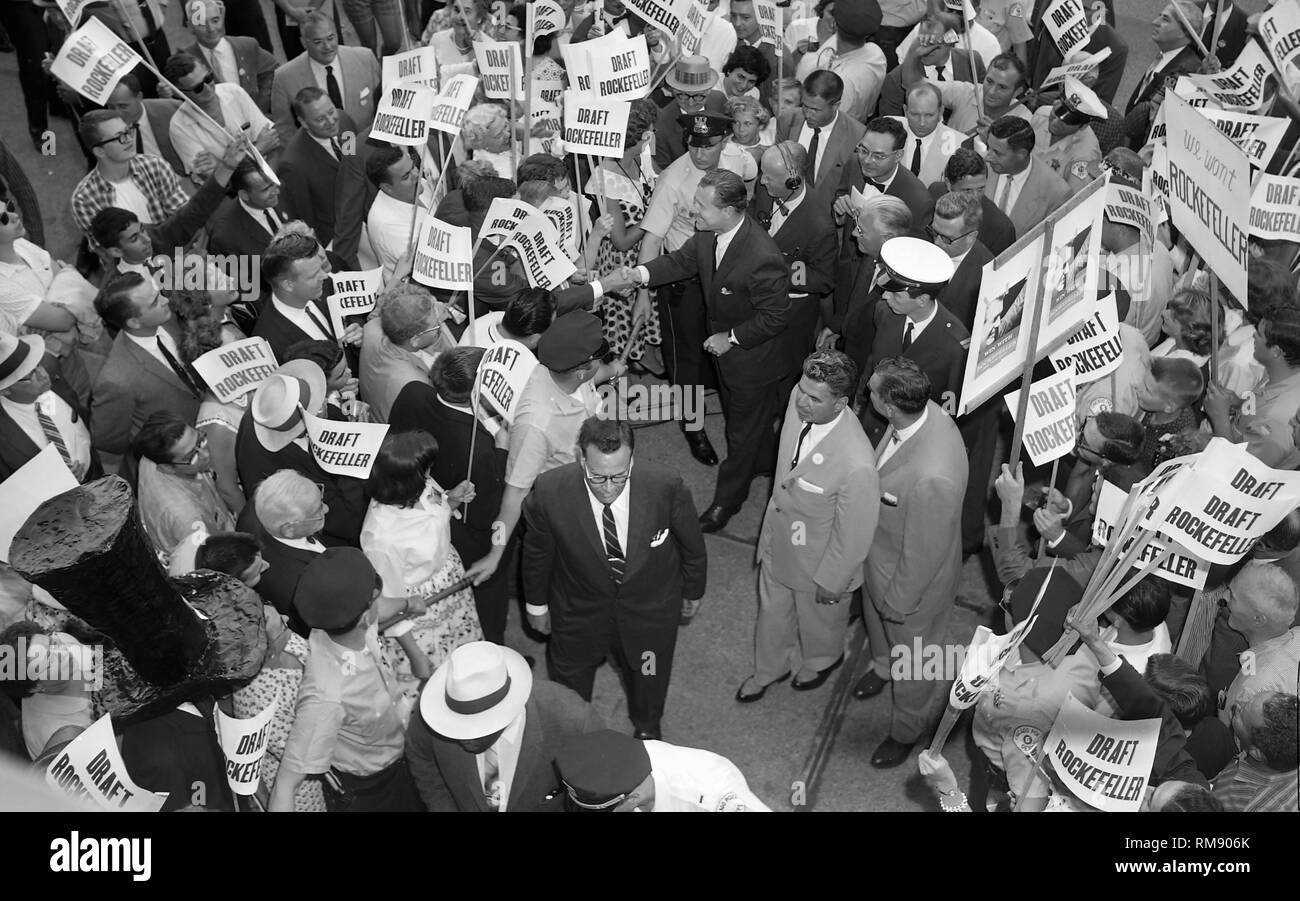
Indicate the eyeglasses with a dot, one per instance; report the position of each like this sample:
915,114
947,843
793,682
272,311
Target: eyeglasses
694,98
616,479
194,89
125,138
875,156
944,239
198,448
10,213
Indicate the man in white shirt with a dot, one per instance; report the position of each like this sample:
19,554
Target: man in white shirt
851,55
198,142
974,108
292,266
391,220
33,417
233,60
930,143
486,735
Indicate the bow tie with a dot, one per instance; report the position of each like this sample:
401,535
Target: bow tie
878,185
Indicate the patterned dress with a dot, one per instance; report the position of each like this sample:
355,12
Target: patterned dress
615,309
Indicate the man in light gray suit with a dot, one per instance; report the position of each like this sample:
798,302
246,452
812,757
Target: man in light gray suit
348,75
816,532
914,566
1024,188
400,344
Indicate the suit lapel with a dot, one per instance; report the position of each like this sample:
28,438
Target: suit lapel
147,362
530,753
734,251
12,435
638,524
586,518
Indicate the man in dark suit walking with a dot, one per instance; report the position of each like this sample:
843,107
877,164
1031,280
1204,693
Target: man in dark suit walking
914,565
443,409
323,175
613,563
746,287
804,232
486,736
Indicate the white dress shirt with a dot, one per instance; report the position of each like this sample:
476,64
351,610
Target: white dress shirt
389,224
221,60
901,435
724,241
791,204
148,140
919,325
74,434
298,316
259,216
302,544
814,436
507,746
318,72
327,143
823,138
150,345
1017,185
192,134
620,508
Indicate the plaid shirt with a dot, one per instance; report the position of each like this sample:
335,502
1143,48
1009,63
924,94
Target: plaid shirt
151,174
1248,786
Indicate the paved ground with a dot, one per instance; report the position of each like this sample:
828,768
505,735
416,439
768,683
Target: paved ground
779,741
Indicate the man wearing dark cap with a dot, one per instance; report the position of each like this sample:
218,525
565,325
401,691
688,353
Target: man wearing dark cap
746,287
1014,715
560,395
486,735
608,771
669,222
623,595
350,723
1062,138
851,55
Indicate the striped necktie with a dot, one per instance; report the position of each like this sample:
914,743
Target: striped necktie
613,552
52,435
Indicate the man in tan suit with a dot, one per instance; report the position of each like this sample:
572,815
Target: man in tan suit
914,566
1022,186
816,532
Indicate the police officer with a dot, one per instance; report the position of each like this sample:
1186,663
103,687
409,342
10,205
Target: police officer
1062,138
1008,21
609,771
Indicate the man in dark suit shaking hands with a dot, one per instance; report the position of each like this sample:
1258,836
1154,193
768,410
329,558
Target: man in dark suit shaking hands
746,286
613,562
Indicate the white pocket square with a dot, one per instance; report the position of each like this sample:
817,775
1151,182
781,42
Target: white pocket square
365,92
659,538
726,290
809,486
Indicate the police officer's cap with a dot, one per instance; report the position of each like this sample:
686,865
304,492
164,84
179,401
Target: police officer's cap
700,129
857,18
598,770
335,588
1078,104
915,266
573,339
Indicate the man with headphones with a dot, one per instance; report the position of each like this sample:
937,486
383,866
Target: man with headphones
805,233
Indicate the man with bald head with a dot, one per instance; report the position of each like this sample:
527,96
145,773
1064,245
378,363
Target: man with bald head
930,143
1178,56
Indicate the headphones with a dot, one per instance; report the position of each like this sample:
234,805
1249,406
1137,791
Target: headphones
794,179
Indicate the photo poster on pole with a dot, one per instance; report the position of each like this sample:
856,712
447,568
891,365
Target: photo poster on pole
418,67
1071,263
1209,192
1003,317
496,60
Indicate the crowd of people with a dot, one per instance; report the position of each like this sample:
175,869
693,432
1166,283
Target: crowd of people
802,230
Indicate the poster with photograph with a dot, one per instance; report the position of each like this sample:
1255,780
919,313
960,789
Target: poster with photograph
1071,267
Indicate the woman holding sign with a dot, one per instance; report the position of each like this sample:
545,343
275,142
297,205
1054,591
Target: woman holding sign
407,537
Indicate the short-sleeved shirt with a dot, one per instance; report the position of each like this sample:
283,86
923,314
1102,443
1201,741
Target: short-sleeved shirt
1007,20
1014,715
350,714
23,285
151,175
1068,156
544,434
669,213
963,99
1269,667
1265,419
191,134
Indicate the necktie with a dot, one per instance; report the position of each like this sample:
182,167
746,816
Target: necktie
907,335
1005,194
613,552
214,63
798,445
52,435
178,368
337,148
491,777
812,154
321,323
332,87
271,225
916,157
139,138
938,73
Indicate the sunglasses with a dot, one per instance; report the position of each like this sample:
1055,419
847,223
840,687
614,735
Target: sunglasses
125,138
194,89
198,448
10,213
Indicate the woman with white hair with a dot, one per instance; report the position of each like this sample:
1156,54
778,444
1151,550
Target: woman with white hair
486,135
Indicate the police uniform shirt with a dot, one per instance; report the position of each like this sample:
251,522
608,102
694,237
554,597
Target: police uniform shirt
1068,156
669,214
690,780
1007,21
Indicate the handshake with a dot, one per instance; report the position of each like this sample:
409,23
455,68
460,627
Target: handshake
620,279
